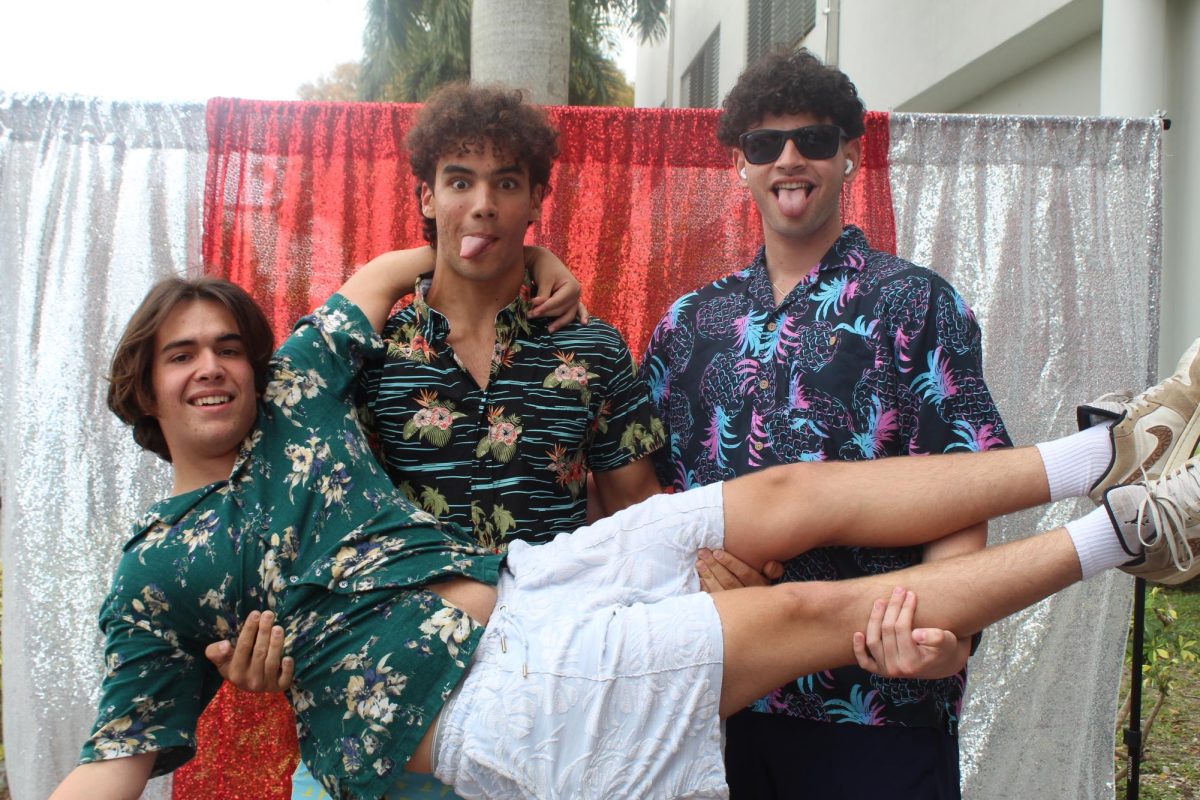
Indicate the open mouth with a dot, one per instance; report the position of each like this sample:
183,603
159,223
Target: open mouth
792,195
473,245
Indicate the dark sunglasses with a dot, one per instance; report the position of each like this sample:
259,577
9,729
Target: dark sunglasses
812,141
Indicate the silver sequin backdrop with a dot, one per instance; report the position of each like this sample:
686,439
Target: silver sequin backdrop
1049,228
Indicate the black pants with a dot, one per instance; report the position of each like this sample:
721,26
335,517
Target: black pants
773,756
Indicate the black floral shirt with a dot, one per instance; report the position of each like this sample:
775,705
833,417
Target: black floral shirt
868,356
308,525
508,461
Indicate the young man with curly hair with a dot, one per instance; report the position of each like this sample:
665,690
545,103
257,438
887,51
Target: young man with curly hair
487,417
822,349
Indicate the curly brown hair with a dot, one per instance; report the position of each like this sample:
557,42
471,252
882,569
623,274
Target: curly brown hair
131,373
459,117
790,82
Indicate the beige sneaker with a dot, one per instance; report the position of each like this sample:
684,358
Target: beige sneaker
1155,431
1158,523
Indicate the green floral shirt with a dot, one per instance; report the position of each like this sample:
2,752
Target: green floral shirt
510,460
308,525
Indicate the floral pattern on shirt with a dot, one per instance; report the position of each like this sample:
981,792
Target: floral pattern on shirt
309,525
512,458
867,356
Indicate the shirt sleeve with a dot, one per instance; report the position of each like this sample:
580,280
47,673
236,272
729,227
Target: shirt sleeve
627,426
943,358
153,692
655,372
326,351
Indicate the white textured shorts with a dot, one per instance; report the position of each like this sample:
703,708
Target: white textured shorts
599,675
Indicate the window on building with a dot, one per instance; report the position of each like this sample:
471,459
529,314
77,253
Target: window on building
698,88
778,22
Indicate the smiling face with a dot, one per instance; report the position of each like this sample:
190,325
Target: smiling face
483,203
797,197
204,394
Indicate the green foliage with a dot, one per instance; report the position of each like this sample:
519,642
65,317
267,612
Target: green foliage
339,85
1171,702
413,46
1165,648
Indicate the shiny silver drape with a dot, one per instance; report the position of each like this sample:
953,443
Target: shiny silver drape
1051,229
97,200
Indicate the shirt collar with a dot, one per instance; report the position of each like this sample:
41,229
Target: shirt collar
845,253
510,320
171,510
168,512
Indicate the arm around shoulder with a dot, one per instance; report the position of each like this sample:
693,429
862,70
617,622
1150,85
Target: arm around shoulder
381,282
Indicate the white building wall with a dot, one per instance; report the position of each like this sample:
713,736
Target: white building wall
926,55
1064,84
694,23
1181,181
650,81
995,57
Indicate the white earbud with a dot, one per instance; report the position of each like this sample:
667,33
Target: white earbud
742,172
849,168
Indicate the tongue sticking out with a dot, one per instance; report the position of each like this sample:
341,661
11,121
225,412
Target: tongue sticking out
473,246
791,201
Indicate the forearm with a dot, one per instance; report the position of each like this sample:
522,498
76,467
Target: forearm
381,282
115,779
625,486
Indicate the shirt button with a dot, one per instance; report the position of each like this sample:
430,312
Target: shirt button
758,445
763,383
771,326
293,579
344,584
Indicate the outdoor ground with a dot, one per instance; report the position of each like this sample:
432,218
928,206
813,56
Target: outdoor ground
1171,769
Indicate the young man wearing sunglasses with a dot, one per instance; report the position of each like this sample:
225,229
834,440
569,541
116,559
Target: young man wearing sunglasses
822,349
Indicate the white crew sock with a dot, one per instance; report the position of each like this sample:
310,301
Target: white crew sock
1096,543
1074,463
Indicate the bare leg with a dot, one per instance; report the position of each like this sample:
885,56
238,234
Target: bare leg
776,634
781,512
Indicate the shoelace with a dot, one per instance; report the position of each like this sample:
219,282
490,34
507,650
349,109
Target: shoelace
1171,502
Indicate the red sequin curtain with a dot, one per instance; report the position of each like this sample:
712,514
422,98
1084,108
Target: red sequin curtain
644,206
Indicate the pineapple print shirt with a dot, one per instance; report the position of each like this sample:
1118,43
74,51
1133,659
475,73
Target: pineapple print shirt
308,525
868,356
508,461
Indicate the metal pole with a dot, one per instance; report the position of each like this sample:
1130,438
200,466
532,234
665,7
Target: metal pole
670,103
833,31
1133,734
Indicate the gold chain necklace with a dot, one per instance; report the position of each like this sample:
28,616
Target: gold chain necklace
775,286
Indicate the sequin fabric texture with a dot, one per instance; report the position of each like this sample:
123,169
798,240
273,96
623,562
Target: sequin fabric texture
868,356
509,460
309,526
